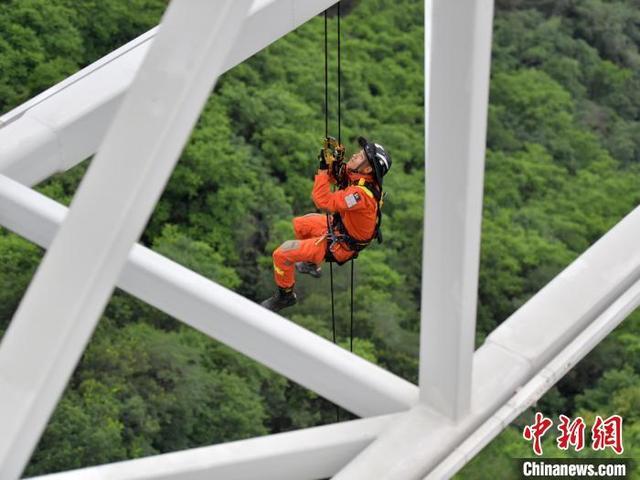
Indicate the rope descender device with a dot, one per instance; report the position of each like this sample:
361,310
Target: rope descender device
333,152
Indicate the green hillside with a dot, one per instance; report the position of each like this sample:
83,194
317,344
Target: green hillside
562,167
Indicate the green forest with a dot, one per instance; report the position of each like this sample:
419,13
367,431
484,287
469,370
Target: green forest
562,167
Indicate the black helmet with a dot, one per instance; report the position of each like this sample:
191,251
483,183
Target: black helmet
378,157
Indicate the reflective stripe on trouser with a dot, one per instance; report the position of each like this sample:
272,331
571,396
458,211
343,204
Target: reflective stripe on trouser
309,246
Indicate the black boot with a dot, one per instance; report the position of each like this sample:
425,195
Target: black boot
309,268
283,298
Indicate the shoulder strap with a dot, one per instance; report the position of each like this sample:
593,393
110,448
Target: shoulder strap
370,189
374,191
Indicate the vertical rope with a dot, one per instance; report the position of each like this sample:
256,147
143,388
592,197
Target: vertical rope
326,78
339,86
351,323
333,319
340,142
333,316
326,134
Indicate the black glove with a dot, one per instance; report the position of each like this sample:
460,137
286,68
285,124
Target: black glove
323,163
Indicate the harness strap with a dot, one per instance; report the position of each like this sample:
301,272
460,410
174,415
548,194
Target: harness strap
366,190
343,235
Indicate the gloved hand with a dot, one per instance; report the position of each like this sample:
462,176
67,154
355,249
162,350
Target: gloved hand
323,162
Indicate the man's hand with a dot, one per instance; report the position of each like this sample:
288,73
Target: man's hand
323,162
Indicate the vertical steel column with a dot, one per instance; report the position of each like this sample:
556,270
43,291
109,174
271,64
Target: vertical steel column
457,61
70,289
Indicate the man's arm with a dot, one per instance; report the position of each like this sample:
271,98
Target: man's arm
339,201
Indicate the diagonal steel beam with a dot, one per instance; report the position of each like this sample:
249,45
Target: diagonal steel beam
306,454
65,124
534,389
570,314
336,374
114,201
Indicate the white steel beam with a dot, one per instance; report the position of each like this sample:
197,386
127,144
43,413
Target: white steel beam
65,124
346,379
303,455
458,44
512,355
75,279
546,378
126,63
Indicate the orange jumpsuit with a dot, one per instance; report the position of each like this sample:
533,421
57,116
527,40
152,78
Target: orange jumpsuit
358,209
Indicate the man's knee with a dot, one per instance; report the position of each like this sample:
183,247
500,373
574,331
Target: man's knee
303,226
297,227
309,226
281,254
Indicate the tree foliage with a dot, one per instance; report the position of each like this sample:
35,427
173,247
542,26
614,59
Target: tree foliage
562,167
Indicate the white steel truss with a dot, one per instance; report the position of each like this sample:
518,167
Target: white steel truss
344,378
466,398
64,125
457,94
109,211
307,454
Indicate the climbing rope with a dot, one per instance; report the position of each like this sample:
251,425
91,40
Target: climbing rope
351,324
326,135
326,129
326,77
339,87
340,142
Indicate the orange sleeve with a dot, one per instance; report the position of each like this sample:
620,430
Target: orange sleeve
339,201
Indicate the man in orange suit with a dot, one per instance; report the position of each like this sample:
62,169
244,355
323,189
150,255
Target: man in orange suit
351,223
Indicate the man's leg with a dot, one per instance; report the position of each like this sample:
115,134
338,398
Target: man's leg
312,225
286,255
284,260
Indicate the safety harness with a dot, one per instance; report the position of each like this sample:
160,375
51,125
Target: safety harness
337,231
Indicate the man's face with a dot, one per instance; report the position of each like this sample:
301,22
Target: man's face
358,162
